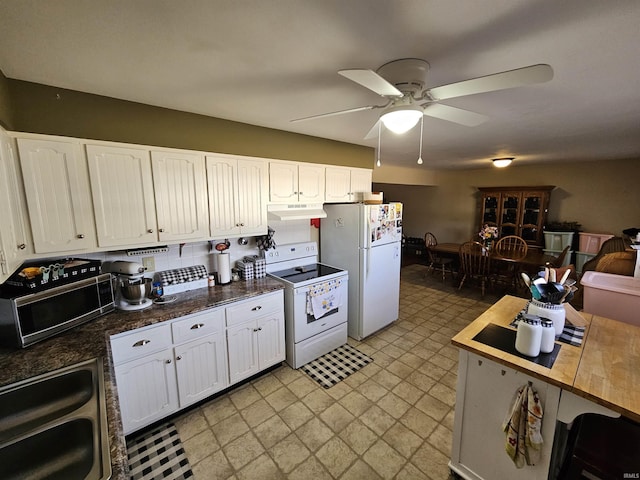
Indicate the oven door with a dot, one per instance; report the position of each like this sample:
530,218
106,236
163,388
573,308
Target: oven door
306,325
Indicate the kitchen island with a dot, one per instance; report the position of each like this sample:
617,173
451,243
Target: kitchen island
599,376
91,340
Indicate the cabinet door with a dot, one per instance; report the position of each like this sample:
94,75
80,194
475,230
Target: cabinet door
311,184
201,367
147,390
490,209
485,394
14,243
58,195
123,201
179,181
222,184
534,207
253,187
338,184
271,340
510,205
360,182
283,182
242,343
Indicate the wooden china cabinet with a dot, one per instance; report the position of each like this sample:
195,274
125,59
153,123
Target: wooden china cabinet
518,211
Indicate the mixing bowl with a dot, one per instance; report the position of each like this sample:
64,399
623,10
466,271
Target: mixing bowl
135,291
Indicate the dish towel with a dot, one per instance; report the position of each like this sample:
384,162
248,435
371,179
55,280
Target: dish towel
324,297
522,427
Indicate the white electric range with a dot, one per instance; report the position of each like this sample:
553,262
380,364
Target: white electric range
310,330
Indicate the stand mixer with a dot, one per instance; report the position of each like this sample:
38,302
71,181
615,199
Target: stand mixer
131,288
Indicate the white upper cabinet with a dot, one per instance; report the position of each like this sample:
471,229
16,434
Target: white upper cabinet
237,196
15,244
291,182
58,195
345,184
180,186
123,198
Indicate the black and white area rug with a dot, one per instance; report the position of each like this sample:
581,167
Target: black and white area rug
158,455
336,365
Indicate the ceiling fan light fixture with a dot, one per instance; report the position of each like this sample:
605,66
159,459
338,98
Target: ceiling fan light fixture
402,119
502,162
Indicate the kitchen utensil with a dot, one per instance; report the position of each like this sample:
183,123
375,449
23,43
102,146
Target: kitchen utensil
565,275
552,275
535,293
551,292
136,291
526,279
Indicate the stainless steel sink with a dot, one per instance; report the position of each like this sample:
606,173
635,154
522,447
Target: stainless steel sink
54,426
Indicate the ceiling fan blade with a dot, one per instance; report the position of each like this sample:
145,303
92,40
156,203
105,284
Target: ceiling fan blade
339,112
371,80
455,115
498,81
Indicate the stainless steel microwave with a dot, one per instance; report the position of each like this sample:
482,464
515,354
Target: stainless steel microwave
30,318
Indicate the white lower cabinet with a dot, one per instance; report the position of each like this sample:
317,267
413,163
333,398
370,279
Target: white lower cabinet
255,335
166,367
484,395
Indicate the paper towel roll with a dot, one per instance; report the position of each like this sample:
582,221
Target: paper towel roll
224,268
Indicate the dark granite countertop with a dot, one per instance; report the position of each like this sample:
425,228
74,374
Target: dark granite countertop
92,340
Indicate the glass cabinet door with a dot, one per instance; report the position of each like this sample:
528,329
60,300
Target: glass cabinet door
490,209
510,209
531,215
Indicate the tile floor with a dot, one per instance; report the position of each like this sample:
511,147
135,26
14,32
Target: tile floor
393,419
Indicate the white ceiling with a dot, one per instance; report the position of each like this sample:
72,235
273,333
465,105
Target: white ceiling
265,62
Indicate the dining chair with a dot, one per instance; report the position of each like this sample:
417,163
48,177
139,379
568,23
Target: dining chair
475,264
436,261
507,252
559,260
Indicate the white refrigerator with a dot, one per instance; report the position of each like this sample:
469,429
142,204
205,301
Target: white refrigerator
365,240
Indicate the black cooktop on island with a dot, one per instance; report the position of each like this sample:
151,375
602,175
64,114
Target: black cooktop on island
306,272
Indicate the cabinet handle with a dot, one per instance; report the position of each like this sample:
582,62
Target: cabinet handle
167,361
150,230
255,309
503,372
80,235
255,329
178,357
300,193
242,224
259,329
22,246
141,343
161,230
197,326
479,363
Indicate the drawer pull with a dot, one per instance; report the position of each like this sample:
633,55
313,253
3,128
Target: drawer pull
254,309
178,357
197,326
167,361
141,343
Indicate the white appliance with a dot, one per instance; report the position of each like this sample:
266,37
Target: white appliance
309,335
366,240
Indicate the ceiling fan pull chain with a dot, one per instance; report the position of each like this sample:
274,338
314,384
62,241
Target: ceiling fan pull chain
421,130
379,134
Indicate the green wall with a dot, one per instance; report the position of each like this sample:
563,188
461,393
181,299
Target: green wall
6,117
43,109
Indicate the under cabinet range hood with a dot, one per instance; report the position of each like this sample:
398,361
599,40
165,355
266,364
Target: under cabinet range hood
296,211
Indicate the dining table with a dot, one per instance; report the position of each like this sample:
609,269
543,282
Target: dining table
534,259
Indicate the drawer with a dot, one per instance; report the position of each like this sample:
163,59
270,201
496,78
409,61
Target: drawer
254,308
138,343
197,325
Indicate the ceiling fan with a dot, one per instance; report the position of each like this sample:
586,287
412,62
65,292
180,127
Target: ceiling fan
402,83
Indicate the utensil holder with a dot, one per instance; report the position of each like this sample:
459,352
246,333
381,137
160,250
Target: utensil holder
553,312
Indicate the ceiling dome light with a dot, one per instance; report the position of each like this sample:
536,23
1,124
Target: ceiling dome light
502,162
401,119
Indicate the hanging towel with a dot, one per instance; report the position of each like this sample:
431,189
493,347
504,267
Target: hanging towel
522,427
324,297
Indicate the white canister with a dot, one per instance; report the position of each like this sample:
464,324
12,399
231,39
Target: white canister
548,336
529,336
552,311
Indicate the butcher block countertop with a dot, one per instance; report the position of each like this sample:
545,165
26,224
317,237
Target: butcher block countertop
604,369
91,340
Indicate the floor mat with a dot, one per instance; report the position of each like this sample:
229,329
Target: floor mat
336,365
158,455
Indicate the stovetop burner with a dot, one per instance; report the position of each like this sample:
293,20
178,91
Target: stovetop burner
306,272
